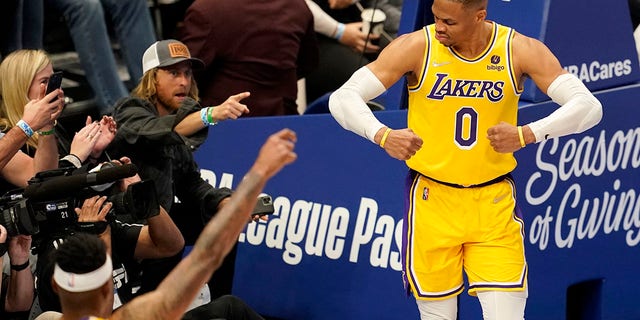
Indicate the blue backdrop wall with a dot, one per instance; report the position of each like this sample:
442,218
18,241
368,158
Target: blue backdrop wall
331,250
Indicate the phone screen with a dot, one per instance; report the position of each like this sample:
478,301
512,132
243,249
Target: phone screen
55,81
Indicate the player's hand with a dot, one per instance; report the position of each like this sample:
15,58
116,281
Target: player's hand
401,144
276,153
231,108
504,137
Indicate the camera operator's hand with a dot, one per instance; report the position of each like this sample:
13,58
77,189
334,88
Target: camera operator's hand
124,183
94,209
108,131
19,247
3,244
85,140
3,235
256,217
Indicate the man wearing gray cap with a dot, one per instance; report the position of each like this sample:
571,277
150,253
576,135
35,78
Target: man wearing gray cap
159,127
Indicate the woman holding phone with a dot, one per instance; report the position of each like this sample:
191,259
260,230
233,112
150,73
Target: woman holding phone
24,74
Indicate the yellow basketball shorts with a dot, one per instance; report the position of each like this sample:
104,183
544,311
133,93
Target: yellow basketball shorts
449,230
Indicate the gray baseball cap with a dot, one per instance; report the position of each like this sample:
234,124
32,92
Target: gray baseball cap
168,52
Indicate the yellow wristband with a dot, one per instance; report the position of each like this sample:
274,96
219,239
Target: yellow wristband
521,136
384,137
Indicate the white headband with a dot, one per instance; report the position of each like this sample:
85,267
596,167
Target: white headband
73,282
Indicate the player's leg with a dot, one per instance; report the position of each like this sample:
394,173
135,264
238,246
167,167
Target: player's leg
433,248
502,305
494,255
439,309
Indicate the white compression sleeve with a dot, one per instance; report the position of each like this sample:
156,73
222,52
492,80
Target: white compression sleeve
348,104
323,23
500,305
438,309
579,109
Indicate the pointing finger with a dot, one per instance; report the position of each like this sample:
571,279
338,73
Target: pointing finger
240,96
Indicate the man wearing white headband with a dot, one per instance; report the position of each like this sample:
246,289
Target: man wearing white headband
83,268
83,277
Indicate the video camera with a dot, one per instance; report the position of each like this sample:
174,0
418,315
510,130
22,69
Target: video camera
47,205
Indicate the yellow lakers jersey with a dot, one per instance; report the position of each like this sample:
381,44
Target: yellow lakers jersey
454,103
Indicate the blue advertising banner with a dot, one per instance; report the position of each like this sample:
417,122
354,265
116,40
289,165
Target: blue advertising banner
602,57
332,248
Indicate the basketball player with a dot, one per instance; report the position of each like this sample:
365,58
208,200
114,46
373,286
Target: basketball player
465,75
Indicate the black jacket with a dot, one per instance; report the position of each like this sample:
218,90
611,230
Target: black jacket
163,155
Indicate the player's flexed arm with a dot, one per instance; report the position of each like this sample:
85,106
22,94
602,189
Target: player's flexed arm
579,109
348,103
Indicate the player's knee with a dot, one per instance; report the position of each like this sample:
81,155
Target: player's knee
501,305
440,309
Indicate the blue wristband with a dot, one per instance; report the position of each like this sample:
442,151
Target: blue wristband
25,128
339,31
203,116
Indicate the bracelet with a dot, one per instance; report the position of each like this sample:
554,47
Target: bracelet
48,132
203,116
25,128
210,116
521,136
52,131
384,137
20,267
95,227
339,31
73,159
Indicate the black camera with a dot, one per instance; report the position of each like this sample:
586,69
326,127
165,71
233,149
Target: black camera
46,206
16,215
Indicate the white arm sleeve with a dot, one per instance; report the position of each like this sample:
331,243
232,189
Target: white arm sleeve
323,23
579,109
348,104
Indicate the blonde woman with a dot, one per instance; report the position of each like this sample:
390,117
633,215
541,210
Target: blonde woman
24,74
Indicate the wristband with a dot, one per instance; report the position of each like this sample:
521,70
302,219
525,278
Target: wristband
95,227
210,116
48,132
73,159
340,31
521,136
384,137
203,116
25,128
20,267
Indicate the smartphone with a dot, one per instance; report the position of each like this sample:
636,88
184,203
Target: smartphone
55,81
263,206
